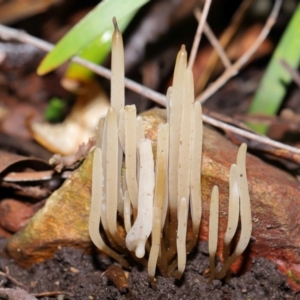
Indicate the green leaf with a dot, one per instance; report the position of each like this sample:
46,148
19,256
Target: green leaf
95,52
272,89
88,29
54,111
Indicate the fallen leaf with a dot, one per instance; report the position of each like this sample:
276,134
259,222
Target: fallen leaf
15,214
79,126
10,162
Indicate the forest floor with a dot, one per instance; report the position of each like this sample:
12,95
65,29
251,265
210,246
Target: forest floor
81,276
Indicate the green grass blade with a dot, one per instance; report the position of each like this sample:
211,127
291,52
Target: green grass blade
95,52
92,25
272,89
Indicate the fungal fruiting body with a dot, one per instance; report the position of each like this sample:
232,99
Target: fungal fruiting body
143,207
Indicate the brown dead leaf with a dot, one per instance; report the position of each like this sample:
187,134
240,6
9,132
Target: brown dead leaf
3,112
15,214
4,233
10,162
35,192
14,123
80,125
15,10
244,41
22,175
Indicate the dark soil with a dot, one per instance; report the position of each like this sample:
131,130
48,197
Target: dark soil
81,276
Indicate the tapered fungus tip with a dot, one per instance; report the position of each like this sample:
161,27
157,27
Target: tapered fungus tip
115,24
182,52
244,146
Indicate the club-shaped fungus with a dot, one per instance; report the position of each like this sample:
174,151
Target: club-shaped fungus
145,206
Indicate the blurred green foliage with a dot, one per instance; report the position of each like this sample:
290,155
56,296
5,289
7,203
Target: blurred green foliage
272,90
93,25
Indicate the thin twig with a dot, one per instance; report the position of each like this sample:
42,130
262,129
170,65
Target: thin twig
213,40
295,75
250,135
51,294
225,38
234,69
7,33
13,34
198,34
15,281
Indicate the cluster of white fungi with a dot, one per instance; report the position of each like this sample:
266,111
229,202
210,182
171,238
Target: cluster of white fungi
146,206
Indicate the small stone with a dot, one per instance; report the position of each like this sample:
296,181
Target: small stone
74,270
